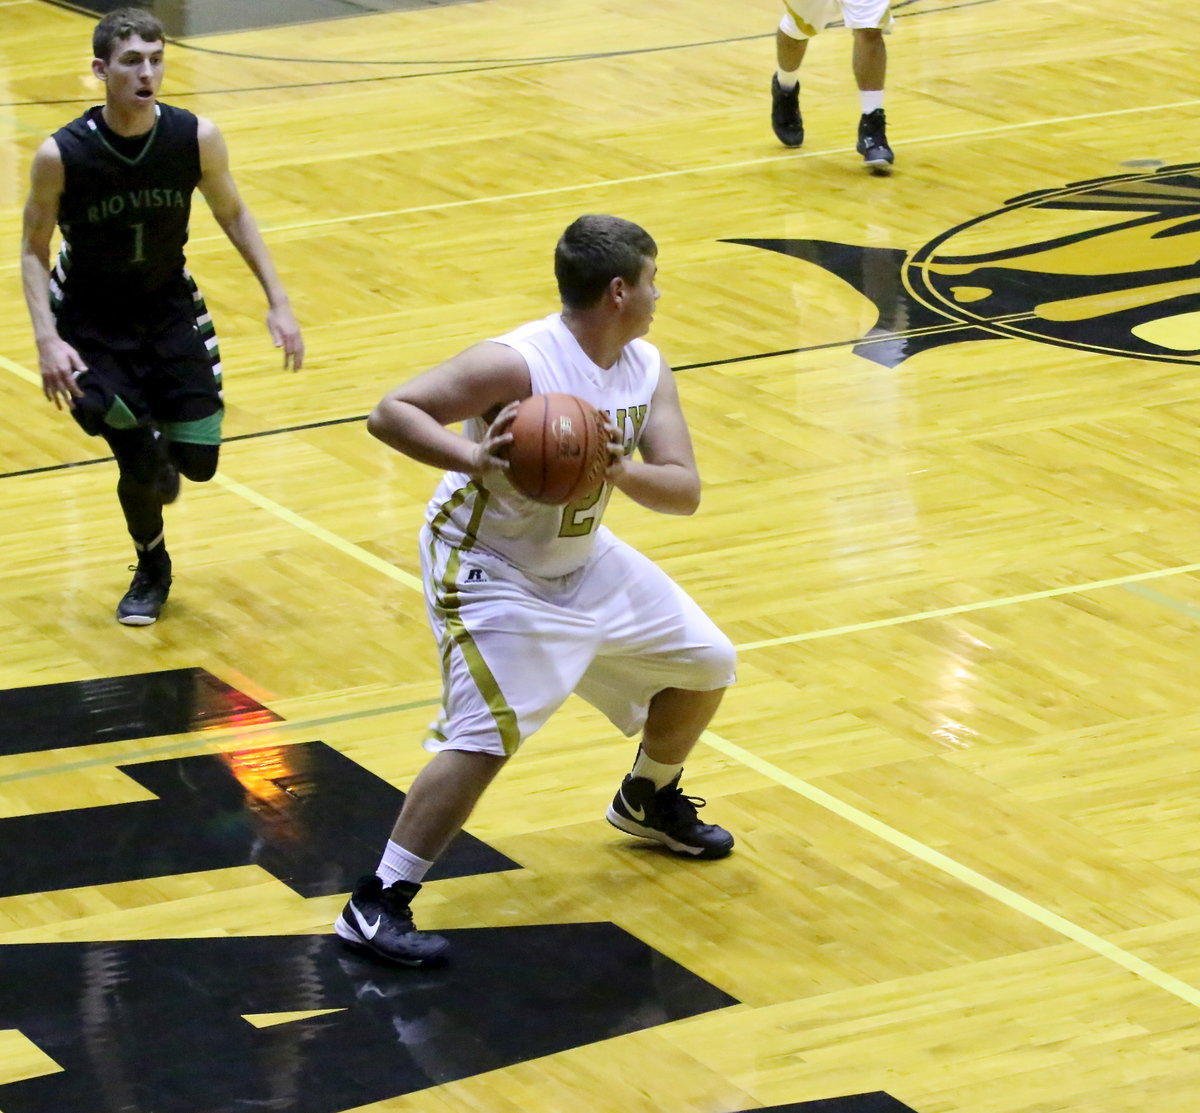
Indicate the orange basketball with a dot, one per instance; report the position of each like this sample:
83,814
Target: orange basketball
559,450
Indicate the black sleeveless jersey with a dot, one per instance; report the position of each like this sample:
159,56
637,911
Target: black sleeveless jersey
124,218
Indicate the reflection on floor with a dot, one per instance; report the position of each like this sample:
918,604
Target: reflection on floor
306,813
116,708
162,1025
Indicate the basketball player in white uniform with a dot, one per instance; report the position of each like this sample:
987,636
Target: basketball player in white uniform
530,603
869,20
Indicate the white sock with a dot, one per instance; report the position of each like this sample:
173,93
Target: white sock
788,79
871,100
661,775
397,864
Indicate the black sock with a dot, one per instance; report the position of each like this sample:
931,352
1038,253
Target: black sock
153,555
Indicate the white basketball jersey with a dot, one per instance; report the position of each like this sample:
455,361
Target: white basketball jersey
546,541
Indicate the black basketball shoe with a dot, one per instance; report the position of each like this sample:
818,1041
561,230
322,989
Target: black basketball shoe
785,114
143,602
667,816
379,921
872,142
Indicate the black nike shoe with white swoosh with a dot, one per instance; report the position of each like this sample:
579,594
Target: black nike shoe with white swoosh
667,816
379,921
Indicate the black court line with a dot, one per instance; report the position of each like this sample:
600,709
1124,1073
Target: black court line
547,58
469,66
883,338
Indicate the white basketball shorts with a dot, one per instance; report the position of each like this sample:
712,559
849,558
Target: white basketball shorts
804,18
514,647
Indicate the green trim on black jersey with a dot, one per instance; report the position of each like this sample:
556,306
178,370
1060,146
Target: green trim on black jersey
145,146
204,430
119,415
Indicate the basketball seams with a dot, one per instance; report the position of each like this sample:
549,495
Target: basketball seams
558,452
543,455
596,456
589,448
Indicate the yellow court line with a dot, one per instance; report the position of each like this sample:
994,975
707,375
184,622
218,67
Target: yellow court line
708,169
963,874
378,563
20,372
319,532
272,507
916,849
197,744
983,605
414,582
499,199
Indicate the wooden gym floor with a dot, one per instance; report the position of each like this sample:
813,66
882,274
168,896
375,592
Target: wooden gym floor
946,421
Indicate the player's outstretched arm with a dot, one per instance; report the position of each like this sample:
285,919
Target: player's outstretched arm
487,380
237,222
58,361
666,477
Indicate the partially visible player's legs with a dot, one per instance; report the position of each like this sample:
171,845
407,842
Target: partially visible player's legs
159,407
662,669
870,65
649,802
675,721
870,70
175,458
139,458
510,658
198,462
142,457
441,800
790,46
378,916
184,392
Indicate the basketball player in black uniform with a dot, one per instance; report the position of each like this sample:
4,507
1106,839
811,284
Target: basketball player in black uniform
123,336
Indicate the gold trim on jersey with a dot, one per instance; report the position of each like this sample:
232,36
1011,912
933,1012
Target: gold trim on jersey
806,29
456,634
471,533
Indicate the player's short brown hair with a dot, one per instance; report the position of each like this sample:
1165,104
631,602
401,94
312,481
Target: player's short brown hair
121,24
593,251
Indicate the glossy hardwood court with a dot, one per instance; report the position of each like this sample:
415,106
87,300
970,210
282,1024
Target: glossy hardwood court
947,423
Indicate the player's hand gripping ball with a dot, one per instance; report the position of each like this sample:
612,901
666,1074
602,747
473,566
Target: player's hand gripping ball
559,450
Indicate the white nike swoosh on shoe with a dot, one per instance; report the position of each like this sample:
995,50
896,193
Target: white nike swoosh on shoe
634,813
367,929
